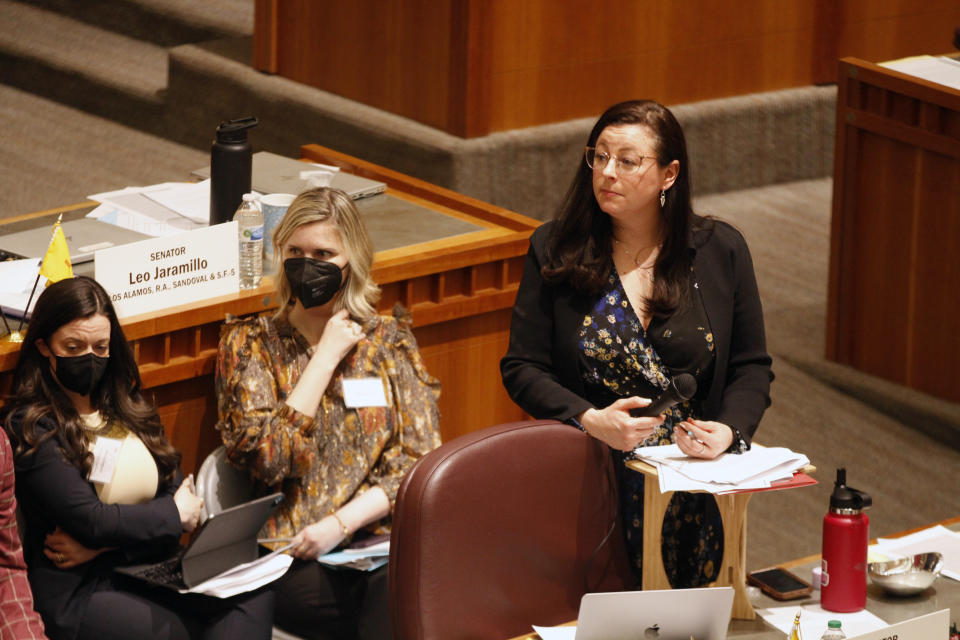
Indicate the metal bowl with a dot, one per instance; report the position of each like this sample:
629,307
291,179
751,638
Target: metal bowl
907,576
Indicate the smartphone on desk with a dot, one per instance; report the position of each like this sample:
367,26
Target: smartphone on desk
779,583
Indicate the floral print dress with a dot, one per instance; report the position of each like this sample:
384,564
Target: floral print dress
622,359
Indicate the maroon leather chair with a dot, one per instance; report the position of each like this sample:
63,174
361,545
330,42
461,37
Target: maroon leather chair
504,528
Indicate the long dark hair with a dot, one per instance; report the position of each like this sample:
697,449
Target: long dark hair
578,251
36,394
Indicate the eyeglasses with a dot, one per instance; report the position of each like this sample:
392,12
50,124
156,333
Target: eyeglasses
629,165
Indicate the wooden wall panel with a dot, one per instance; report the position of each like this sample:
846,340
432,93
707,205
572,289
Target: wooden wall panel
878,253
896,29
936,268
895,231
555,61
465,355
471,67
266,38
188,410
392,54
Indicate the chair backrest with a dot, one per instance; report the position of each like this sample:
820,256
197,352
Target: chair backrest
503,528
221,485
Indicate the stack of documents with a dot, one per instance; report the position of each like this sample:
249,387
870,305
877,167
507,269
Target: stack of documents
158,210
17,278
245,577
939,69
757,468
362,559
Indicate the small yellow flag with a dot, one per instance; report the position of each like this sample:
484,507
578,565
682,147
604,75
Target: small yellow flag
56,264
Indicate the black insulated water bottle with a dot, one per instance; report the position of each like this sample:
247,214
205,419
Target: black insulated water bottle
231,161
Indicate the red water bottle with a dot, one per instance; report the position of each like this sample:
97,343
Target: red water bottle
843,582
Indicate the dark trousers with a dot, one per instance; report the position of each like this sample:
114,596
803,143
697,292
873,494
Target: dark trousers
316,602
157,613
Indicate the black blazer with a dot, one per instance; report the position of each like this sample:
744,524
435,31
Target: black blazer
541,370
52,492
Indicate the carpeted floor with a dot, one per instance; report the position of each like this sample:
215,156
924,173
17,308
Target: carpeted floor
54,155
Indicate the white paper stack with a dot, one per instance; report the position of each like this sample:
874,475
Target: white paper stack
17,278
361,559
158,210
939,69
757,468
245,577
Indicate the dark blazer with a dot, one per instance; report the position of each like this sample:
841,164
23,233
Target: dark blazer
541,370
52,492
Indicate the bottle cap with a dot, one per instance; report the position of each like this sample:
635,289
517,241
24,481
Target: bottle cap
235,130
834,624
844,497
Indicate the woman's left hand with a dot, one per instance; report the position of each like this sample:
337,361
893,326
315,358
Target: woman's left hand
316,539
703,438
65,552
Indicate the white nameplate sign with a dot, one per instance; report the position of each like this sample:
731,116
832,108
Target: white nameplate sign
165,272
931,626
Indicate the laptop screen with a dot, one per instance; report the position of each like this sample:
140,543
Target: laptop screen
665,614
84,237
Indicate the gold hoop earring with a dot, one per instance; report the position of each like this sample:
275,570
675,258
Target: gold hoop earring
663,198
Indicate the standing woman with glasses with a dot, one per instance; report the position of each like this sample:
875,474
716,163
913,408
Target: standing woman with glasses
623,291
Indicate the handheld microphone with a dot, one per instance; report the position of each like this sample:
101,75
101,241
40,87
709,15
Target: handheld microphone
681,388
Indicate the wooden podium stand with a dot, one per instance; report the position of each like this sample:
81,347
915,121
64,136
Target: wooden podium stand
733,512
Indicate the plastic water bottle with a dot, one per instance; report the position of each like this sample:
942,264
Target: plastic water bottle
833,632
843,575
250,226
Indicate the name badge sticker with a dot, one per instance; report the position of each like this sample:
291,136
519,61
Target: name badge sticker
363,392
106,451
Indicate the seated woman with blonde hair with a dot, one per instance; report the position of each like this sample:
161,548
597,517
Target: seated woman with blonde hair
329,403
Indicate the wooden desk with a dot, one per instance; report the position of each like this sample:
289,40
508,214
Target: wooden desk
944,593
459,288
895,233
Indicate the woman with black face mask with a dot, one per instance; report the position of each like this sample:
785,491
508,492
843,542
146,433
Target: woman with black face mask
329,403
99,485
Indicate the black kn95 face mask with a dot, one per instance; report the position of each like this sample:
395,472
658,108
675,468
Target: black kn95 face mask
313,282
80,374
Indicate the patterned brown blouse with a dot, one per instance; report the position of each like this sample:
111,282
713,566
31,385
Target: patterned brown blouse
323,462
